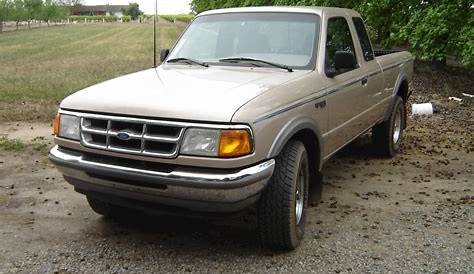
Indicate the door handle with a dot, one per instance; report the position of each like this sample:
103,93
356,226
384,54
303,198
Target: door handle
364,81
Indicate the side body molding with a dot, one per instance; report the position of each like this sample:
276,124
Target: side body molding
290,129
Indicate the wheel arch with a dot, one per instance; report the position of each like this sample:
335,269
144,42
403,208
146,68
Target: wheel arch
305,130
401,89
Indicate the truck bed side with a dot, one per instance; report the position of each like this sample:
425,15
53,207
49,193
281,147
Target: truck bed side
397,67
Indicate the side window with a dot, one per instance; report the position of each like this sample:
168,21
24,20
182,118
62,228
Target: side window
338,39
363,38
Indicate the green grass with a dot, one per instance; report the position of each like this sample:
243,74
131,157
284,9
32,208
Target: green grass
42,66
11,144
38,144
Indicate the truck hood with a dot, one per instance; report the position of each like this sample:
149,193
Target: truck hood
181,92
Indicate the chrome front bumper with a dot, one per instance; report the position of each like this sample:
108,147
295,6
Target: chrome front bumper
195,189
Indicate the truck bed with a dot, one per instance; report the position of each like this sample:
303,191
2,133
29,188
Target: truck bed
394,64
380,52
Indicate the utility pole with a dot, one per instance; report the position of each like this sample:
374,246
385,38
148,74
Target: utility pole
155,17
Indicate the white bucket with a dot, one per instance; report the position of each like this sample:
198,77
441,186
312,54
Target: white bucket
422,109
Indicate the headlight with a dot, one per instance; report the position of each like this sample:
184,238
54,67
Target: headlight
67,126
217,143
201,142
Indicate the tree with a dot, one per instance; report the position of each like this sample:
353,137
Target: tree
466,43
72,5
133,10
52,11
32,10
18,12
5,12
70,2
434,30
385,18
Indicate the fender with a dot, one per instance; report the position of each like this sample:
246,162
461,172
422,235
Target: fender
401,77
290,129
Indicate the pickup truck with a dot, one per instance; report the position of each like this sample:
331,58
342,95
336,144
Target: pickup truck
243,112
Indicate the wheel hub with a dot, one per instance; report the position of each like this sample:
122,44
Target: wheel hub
299,196
397,127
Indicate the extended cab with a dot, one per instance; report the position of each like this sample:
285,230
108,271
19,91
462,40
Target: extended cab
244,110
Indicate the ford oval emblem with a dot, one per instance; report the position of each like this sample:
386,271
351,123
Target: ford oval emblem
124,136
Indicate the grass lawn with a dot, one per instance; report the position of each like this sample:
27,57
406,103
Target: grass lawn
40,67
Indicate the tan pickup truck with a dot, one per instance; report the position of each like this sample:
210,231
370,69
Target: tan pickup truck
244,111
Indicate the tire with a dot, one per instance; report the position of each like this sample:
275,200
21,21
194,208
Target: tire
387,136
280,226
103,208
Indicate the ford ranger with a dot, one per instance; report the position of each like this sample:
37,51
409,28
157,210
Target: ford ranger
243,111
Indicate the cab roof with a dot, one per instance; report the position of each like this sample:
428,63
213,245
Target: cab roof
294,9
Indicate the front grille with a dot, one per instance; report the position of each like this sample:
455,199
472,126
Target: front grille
143,137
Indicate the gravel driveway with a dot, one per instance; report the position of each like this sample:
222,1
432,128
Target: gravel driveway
410,214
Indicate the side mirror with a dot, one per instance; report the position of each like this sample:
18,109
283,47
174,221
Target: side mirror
344,60
163,54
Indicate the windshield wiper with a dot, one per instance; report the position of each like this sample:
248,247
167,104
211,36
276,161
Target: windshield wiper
250,59
187,60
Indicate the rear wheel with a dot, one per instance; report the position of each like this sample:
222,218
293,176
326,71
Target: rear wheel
387,135
282,208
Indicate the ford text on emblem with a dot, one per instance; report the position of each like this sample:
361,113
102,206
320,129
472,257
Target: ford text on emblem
124,136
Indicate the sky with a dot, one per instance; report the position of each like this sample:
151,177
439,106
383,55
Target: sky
147,6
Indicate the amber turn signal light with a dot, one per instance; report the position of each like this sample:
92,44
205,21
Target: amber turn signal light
56,124
234,143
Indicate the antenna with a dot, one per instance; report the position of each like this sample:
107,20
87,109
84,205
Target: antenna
154,33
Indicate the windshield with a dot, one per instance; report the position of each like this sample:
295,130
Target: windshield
282,38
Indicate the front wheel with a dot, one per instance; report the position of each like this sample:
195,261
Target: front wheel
387,136
282,208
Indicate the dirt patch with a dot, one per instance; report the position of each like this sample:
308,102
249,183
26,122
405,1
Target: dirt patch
29,111
26,131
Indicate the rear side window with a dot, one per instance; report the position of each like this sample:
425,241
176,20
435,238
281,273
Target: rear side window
338,39
363,38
